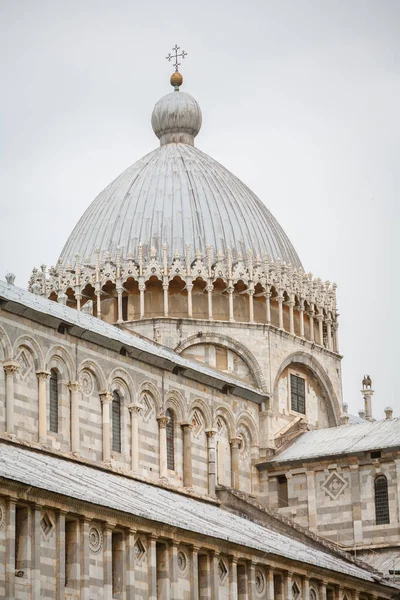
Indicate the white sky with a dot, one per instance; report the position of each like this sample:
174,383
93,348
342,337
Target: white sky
300,100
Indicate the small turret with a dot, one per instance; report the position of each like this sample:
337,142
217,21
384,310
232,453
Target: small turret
367,393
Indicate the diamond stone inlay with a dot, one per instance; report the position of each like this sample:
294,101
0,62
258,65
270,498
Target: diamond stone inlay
334,485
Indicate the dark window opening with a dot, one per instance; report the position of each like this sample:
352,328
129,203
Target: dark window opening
116,422
53,420
21,538
123,352
282,491
376,454
117,563
71,549
298,394
62,329
124,308
170,440
381,501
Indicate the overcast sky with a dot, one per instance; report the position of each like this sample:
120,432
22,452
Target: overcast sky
300,100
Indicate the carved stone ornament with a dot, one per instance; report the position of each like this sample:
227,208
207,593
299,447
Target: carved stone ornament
334,485
2,514
183,563
95,539
259,582
86,381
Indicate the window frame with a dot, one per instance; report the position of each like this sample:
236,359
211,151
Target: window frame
170,435
382,512
116,442
54,401
292,373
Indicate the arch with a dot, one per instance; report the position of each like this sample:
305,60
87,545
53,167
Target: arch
59,356
5,344
33,347
96,370
119,378
227,415
204,409
176,402
150,388
382,516
315,367
228,342
248,422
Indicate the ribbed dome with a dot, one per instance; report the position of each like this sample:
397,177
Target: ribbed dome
177,195
176,118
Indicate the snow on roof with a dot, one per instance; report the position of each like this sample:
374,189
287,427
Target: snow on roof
125,494
51,313
346,439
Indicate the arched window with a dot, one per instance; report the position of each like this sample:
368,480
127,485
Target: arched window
53,417
381,501
170,440
116,422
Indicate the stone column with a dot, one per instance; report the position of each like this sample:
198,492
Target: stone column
173,570
214,576
322,590
165,289
10,549
320,319
36,541
75,389
42,392
209,289
152,568
312,502
211,457
84,577
335,327
189,288
301,313
98,303
251,581
187,455
233,584
162,426
311,317
268,306
106,400
107,562
356,501
251,305
135,410
230,299
10,368
142,287
305,592
280,308
194,574
130,564
329,333
235,442
291,305
287,585
119,304
270,584
60,553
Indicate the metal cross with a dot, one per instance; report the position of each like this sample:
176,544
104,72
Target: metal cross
176,56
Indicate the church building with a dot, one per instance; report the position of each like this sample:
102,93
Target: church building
171,417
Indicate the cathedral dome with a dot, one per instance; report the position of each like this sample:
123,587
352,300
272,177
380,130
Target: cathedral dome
178,196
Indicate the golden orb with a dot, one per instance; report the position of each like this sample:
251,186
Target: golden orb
176,79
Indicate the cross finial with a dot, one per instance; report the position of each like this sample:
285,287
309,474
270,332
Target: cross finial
176,56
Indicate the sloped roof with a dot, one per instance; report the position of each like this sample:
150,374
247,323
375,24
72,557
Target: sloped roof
346,439
127,495
48,312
